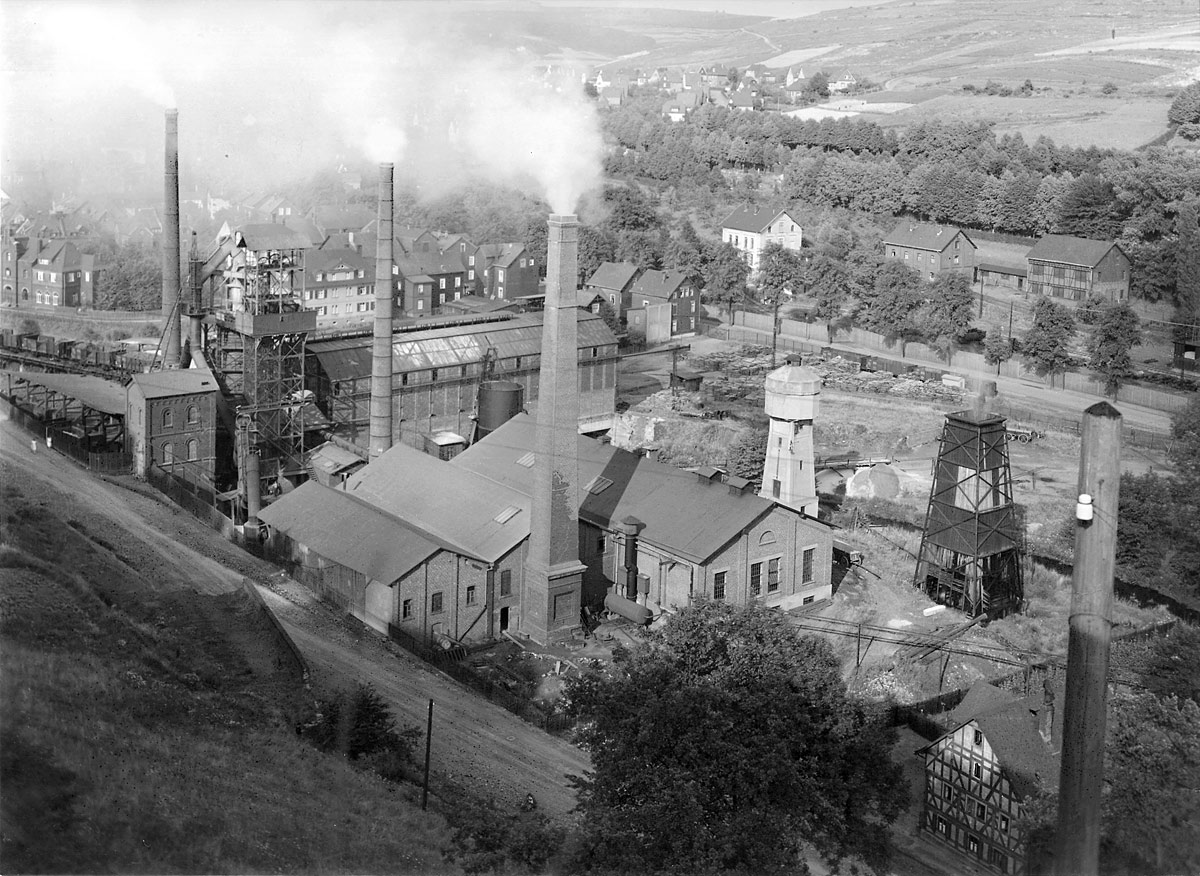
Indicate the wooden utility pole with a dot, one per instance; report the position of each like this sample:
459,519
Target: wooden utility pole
428,747
1082,778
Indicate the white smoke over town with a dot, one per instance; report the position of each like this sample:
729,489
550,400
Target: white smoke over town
272,92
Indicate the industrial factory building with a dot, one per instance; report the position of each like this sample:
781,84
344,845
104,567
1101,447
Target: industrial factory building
438,366
439,550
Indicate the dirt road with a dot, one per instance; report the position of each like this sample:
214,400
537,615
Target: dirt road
479,746
476,744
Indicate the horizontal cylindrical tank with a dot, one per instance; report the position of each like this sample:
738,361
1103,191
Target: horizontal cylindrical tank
499,402
628,609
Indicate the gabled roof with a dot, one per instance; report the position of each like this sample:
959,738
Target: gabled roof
353,217
429,263
450,506
509,253
658,284
1070,250
181,381
349,531
652,492
752,219
306,227
924,235
743,98
261,236
1010,725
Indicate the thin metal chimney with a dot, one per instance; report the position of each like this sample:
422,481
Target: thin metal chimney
381,351
170,288
553,573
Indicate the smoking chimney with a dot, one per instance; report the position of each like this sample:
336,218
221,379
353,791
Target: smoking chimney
553,573
170,290
381,350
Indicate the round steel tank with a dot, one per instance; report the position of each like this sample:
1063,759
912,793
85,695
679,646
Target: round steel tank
499,402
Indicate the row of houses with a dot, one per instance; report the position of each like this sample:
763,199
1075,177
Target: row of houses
657,305
1061,266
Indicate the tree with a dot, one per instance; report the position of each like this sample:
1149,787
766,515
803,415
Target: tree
887,306
609,315
725,273
1185,449
1116,333
728,745
817,85
1090,209
949,311
1185,108
1150,816
747,454
131,280
997,349
1046,344
1187,274
780,274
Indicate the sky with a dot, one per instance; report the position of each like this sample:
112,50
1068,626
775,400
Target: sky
771,8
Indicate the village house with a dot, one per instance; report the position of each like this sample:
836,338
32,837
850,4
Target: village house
48,273
339,285
663,305
428,279
979,773
614,281
1075,269
509,271
749,229
681,105
930,249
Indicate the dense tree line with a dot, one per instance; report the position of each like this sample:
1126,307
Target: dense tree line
957,172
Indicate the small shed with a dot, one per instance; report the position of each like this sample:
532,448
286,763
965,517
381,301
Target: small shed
687,379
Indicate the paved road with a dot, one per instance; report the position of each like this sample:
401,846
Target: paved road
477,744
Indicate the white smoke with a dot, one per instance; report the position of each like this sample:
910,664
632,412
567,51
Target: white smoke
269,92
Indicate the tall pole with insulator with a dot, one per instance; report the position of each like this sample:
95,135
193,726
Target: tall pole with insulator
1081,781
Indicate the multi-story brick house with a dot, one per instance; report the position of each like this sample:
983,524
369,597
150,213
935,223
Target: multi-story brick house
978,774
1075,269
436,550
429,278
663,305
171,422
49,273
339,285
749,229
930,249
614,281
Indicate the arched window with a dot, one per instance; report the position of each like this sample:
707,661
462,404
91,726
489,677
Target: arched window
193,449
24,293
168,419
168,454
767,537
193,415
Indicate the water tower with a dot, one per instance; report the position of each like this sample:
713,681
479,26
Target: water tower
970,549
789,474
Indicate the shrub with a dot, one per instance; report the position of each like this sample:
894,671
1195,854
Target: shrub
360,725
487,840
1108,88
30,327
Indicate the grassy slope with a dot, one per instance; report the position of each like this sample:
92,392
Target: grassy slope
137,737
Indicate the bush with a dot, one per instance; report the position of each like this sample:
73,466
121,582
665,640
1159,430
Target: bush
487,840
359,725
29,327
1109,88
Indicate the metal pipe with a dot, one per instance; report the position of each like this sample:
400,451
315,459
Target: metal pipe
381,350
170,287
253,490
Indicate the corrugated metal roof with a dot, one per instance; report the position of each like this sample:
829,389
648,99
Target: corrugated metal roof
663,497
272,235
342,528
924,235
95,392
451,506
182,381
1069,250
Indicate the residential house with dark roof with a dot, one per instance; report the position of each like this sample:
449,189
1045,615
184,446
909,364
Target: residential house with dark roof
663,305
750,228
436,550
930,249
428,279
339,284
614,280
333,219
746,99
509,271
1075,269
49,273
415,240
843,83
978,774
681,105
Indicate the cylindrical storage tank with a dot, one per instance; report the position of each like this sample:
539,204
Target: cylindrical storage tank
628,609
499,402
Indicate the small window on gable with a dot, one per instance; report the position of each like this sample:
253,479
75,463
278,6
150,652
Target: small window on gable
767,537
978,737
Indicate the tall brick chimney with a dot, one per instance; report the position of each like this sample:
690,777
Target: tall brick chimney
170,281
381,349
553,573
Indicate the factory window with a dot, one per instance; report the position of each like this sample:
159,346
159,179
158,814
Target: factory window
506,582
600,543
435,603
168,453
470,594
808,600
404,380
517,360
719,586
193,415
595,352
406,609
756,579
433,375
193,447
806,565
772,574
168,418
